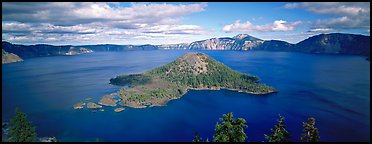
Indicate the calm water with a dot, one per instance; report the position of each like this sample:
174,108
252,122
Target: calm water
333,89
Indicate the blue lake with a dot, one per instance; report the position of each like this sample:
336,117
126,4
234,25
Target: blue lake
333,89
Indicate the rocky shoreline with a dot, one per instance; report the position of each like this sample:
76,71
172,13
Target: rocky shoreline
79,105
230,89
165,101
108,100
93,105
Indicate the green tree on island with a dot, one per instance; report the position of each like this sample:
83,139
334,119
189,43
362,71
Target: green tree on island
230,130
20,129
311,133
279,134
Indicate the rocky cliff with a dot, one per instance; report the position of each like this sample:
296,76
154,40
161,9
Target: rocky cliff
238,42
9,57
335,43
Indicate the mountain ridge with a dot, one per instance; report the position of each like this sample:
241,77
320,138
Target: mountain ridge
333,43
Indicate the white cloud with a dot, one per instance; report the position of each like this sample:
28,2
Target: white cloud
278,25
174,29
58,13
15,27
93,33
96,22
338,8
318,31
346,15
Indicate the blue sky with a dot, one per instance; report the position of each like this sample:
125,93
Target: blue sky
169,23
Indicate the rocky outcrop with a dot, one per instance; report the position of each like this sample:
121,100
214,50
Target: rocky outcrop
77,50
93,105
108,100
119,109
238,42
9,57
79,105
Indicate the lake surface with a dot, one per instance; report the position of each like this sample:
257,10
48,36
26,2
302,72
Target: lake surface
333,89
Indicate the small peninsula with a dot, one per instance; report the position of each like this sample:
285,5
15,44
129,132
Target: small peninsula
195,71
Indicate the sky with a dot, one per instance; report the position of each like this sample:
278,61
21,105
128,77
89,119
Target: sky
72,23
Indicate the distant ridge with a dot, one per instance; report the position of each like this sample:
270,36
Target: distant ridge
334,43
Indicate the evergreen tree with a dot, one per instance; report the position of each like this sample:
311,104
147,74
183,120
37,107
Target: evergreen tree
20,129
54,139
207,140
197,138
311,133
230,130
279,134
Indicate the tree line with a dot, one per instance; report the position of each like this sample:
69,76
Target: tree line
232,130
229,130
21,130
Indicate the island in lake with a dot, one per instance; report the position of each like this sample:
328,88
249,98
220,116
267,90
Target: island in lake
195,71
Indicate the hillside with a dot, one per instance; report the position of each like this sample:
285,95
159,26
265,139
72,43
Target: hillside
195,71
29,51
275,45
335,43
9,57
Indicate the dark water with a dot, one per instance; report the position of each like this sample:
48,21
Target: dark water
333,89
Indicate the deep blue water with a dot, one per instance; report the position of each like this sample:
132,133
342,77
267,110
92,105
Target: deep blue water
333,89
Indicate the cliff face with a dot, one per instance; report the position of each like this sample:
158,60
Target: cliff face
79,50
9,57
238,42
336,43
